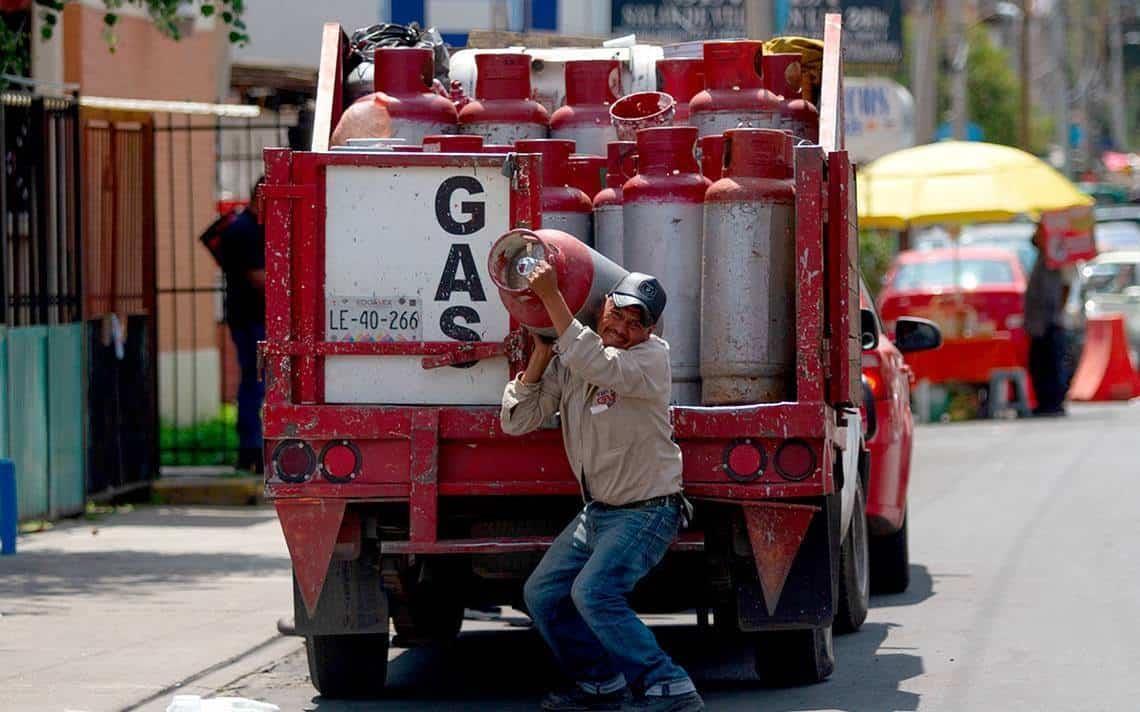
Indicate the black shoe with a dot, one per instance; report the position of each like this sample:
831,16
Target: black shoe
575,698
688,702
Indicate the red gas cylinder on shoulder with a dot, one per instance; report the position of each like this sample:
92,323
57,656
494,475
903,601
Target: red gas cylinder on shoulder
592,85
734,94
662,219
453,144
503,111
682,78
747,313
710,152
784,76
587,173
585,277
620,167
564,207
403,81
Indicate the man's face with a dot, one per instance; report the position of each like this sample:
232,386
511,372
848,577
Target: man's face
621,327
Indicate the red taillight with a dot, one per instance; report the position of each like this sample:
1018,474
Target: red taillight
340,461
294,461
795,460
744,461
876,382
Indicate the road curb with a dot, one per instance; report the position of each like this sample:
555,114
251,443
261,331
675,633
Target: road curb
214,680
210,490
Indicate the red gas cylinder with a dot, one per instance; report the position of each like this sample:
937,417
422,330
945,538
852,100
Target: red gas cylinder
592,85
662,219
587,173
748,300
621,157
643,110
681,78
585,277
710,152
403,80
734,93
502,111
564,207
783,76
453,144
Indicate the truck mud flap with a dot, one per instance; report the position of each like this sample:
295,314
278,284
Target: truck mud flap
352,601
806,597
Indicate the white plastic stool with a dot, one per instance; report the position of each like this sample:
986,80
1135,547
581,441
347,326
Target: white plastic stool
1000,380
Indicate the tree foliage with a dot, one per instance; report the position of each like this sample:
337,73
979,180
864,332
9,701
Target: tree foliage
165,14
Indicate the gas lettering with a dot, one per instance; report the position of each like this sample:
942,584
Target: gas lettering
474,211
460,256
449,326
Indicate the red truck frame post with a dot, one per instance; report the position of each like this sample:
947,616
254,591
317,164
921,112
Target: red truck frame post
377,499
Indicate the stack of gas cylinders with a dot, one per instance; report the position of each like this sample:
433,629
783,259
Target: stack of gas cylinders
692,183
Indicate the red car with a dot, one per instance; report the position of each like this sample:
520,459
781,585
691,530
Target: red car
976,296
889,438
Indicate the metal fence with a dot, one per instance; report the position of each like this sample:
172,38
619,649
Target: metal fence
204,164
42,424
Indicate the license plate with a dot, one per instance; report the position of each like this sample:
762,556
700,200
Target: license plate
372,319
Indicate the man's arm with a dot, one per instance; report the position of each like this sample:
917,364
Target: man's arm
530,399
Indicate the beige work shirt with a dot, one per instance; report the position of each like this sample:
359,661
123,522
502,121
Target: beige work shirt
614,405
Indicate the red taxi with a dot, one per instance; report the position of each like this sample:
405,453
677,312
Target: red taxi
889,436
976,296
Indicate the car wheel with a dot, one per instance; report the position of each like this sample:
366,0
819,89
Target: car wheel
890,561
348,666
854,572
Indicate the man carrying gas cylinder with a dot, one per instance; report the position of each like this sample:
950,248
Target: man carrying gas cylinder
612,388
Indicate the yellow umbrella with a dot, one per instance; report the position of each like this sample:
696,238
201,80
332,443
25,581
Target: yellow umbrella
960,182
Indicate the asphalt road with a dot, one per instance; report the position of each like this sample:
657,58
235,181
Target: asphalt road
1025,595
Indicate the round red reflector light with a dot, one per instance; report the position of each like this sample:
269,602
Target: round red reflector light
340,461
744,461
294,461
795,460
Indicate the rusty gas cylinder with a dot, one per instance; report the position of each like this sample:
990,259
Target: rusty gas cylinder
592,85
503,111
749,293
784,76
608,236
681,78
662,219
734,94
585,276
403,81
587,173
453,144
564,207
710,152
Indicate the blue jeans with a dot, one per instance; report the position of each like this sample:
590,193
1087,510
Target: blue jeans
251,391
578,598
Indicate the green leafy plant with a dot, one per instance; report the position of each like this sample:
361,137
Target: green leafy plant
209,442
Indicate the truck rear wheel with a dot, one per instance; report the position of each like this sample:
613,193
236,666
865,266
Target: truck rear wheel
854,572
348,666
794,657
890,562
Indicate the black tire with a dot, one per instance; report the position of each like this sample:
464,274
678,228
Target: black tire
854,572
348,666
794,657
890,562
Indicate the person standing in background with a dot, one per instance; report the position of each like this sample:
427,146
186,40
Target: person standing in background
243,262
1045,297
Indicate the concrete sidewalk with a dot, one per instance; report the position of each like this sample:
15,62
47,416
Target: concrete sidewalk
123,612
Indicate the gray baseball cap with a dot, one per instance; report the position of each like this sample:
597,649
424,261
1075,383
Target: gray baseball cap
642,290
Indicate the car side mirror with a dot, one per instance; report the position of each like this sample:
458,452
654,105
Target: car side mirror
870,329
914,334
